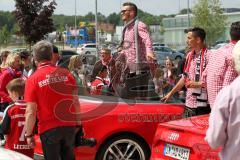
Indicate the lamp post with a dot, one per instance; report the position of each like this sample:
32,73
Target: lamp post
188,13
75,25
96,26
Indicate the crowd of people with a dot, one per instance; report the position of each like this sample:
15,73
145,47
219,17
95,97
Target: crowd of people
132,73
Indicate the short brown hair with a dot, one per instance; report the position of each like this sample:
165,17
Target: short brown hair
132,5
106,51
16,85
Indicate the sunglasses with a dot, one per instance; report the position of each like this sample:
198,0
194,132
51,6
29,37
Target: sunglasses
125,10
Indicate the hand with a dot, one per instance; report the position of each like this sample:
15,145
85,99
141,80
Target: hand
166,98
31,141
151,56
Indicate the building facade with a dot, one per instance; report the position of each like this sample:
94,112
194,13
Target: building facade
174,35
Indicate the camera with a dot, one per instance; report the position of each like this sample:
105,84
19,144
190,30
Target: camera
81,141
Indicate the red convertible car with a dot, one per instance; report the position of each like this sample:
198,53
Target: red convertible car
183,140
124,129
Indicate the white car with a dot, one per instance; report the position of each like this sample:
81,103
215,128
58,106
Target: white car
6,154
89,48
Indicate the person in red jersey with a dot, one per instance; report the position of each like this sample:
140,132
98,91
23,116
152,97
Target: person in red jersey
13,124
9,73
98,84
51,96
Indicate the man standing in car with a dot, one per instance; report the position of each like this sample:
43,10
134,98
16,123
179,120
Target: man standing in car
135,37
50,94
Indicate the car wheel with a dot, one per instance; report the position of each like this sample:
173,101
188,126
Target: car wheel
87,52
124,147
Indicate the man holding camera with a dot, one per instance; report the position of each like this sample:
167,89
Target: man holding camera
196,60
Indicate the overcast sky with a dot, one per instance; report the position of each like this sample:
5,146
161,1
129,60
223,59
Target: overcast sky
155,7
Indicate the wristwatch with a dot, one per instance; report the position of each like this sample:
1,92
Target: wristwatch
28,136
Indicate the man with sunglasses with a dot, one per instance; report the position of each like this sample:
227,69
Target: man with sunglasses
128,47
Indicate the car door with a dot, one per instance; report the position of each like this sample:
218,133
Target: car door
168,52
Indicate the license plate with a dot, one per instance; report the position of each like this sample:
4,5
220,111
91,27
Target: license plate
177,152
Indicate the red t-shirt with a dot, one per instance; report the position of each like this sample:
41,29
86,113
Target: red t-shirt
15,138
51,88
97,86
6,76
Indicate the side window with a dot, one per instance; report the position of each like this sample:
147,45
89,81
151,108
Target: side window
91,46
165,49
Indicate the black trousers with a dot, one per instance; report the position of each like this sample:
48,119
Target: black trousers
58,143
190,112
3,106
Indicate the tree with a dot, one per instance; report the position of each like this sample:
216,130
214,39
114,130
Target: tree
209,16
34,18
114,19
4,35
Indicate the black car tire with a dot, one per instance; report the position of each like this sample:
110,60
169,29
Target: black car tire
123,142
87,52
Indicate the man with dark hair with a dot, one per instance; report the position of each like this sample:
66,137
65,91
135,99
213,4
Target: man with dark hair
26,61
196,60
55,55
136,47
220,70
51,94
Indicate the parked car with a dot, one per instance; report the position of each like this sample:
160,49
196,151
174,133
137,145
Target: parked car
88,60
183,139
162,52
124,129
65,57
6,154
156,44
17,50
217,46
89,48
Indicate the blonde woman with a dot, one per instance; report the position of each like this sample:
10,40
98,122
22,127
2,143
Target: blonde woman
9,73
75,66
4,55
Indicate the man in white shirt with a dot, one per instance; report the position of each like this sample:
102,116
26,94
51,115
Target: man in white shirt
224,121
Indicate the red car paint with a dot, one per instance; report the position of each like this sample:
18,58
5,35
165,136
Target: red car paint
188,133
114,117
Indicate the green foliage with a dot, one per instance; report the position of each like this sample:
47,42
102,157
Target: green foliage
6,18
4,35
209,16
34,18
33,14
114,18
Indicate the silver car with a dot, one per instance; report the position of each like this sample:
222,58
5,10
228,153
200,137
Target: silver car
162,52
